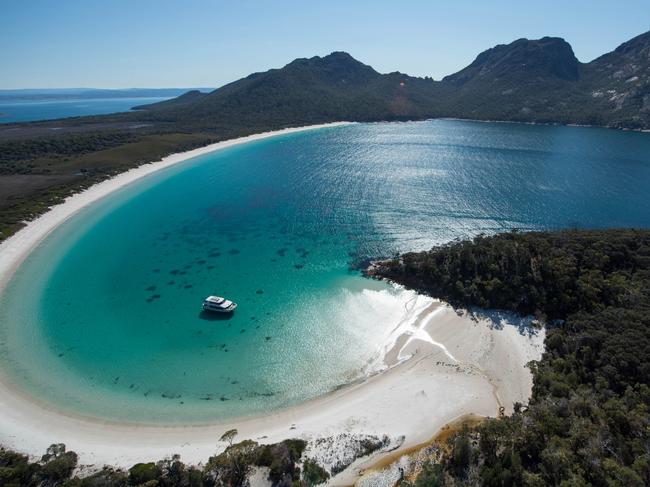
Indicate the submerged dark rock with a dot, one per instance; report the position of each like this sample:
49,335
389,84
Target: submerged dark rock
168,395
302,252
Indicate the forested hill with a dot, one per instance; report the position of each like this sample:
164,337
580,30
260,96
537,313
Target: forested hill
526,80
588,421
331,88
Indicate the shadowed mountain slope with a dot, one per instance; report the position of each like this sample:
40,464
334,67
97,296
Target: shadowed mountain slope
319,89
618,85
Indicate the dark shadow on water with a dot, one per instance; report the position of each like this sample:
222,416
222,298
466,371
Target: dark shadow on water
213,316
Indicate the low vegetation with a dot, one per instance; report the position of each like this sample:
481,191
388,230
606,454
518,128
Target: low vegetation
54,468
588,420
229,468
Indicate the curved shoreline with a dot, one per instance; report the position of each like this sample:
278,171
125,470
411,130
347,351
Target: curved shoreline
14,249
412,399
432,372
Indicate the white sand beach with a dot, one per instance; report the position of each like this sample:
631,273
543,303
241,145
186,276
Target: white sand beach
439,365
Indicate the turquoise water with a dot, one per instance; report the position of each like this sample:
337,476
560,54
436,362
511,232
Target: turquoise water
103,317
21,110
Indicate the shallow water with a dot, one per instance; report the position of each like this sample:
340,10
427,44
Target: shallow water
103,318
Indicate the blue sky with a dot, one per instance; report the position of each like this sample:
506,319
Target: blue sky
165,43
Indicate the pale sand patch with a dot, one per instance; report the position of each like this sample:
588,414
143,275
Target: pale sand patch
486,352
457,366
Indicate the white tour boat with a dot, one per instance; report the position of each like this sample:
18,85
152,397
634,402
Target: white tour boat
218,304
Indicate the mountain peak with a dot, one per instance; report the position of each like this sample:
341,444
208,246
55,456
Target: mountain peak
548,57
337,66
342,55
336,58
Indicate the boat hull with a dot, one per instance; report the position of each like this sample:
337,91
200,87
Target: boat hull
229,309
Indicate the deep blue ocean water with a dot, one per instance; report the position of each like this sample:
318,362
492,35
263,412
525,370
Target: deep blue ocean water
29,110
103,318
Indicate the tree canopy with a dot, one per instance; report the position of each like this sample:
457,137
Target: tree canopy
588,419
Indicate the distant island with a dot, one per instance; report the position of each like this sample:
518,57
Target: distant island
532,81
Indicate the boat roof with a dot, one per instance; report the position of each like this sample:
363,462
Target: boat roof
214,299
218,301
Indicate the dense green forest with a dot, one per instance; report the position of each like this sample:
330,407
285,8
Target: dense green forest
588,421
525,81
